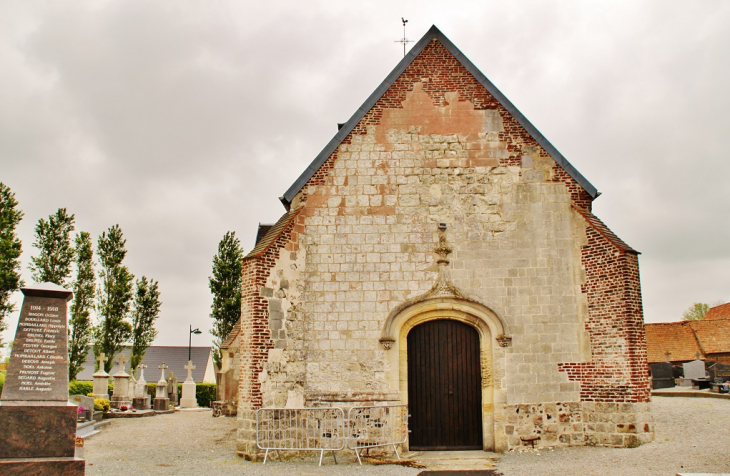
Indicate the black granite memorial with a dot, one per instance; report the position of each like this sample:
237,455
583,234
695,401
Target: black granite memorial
37,423
662,375
719,372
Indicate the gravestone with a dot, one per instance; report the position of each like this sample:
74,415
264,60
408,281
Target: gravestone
37,423
188,391
162,402
141,401
662,375
101,379
121,396
172,391
719,372
82,401
694,370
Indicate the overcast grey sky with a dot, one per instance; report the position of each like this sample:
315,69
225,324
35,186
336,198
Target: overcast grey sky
182,120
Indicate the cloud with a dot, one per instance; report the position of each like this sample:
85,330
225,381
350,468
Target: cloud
181,121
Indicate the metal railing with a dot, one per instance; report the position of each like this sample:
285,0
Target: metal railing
370,427
326,429
302,429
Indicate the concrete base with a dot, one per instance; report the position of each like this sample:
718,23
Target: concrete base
119,402
141,403
161,404
188,399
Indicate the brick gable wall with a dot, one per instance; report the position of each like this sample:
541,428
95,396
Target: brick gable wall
618,370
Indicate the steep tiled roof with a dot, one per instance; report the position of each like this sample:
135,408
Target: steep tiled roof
262,231
433,33
231,336
175,357
606,232
718,312
714,335
674,337
277,229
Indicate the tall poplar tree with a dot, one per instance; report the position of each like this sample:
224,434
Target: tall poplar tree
10,249
53,240
225,285
146,311
80,331
114,297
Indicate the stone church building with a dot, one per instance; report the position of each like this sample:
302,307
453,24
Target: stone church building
441,253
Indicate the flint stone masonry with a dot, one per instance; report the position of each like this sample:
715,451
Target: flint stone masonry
331,291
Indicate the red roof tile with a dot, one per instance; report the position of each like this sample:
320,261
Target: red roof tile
677,338
714,335
718,312
601,228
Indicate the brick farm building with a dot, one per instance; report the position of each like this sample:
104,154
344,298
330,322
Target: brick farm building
441,253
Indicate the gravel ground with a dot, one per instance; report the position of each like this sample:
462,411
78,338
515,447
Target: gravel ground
692,435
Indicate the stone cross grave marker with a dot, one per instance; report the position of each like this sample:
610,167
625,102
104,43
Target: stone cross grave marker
188,399
162,383
190,367
161,403
37,423
121,360
101,379
172,391
102,360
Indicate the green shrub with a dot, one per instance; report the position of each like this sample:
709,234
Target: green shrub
205,393
2,381
80,387
101,405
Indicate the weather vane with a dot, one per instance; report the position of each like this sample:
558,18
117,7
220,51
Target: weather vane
404,40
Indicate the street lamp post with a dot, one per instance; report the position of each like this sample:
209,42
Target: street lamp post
190,339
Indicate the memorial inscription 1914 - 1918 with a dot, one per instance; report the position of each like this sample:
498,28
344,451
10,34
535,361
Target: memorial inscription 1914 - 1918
38,368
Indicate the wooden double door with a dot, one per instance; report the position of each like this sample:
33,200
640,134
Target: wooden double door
444,386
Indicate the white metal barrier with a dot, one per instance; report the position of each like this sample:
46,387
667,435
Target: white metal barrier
326,429
303,429
370,427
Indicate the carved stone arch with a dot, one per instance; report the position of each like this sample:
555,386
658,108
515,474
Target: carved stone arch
457,305
454,306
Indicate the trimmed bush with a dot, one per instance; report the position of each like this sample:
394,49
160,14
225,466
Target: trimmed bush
101,405
80,387
205,393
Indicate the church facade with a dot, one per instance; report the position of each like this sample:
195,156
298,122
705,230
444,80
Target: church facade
441,253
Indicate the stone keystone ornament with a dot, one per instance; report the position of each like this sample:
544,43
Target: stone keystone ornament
37,423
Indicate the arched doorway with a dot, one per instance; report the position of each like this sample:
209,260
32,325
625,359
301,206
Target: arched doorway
444,386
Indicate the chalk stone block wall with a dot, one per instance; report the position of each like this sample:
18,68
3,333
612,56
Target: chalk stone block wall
359,241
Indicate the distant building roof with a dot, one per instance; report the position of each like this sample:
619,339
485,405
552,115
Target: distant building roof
686,340
713,335
676,338
718,312
175,357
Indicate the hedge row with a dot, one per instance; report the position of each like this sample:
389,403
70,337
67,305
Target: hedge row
204,392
